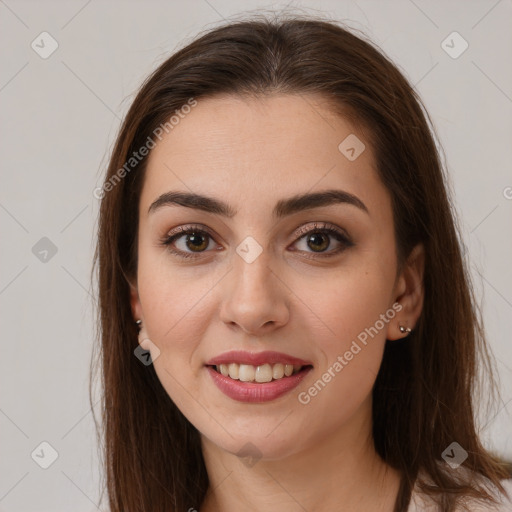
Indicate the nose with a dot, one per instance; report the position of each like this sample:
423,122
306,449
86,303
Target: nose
254,299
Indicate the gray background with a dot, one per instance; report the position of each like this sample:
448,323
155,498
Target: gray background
60,116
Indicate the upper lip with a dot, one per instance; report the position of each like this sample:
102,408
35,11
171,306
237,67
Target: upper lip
255,358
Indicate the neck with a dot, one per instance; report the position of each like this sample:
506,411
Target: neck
338,471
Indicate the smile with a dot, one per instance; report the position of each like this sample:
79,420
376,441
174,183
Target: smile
262,373
256,376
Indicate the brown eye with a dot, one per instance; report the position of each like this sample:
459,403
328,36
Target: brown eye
316,241
196,241
188,241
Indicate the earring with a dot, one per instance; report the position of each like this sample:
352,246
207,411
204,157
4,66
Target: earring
139,323
404,330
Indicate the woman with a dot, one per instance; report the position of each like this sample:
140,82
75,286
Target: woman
286,318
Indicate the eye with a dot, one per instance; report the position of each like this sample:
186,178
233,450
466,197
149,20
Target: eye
318,239
195,238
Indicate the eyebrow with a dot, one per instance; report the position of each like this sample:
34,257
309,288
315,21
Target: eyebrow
283,207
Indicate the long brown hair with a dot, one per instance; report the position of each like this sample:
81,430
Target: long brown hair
424,394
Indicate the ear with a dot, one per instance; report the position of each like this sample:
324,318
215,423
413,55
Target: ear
135,303
409,293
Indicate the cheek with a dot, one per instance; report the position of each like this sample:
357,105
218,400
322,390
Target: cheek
174,300
176,319
352,312
177,307
348,303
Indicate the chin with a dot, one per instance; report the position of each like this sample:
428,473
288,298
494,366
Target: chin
255,444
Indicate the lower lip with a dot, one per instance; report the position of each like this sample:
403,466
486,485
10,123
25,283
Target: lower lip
255,392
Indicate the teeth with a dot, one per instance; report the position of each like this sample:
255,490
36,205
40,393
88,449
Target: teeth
278,371
233,370
246,373
263,373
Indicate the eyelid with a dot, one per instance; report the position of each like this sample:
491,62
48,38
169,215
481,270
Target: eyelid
320,226
186,228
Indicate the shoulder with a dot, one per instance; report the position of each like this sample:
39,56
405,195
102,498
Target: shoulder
421,503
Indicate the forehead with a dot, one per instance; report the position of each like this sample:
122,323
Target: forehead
253,151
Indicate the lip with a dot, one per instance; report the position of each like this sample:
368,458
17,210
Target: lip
254,392
256,358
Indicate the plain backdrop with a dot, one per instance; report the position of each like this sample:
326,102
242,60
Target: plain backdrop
60,116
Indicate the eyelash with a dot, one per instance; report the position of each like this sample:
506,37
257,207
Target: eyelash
325,228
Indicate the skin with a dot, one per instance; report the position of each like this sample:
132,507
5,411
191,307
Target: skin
252,153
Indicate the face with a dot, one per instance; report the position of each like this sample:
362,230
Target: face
311,280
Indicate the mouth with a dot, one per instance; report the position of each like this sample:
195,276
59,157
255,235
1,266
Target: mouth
256,376
256,384
259,374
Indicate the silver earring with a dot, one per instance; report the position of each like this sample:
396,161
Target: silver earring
139,323
404,330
